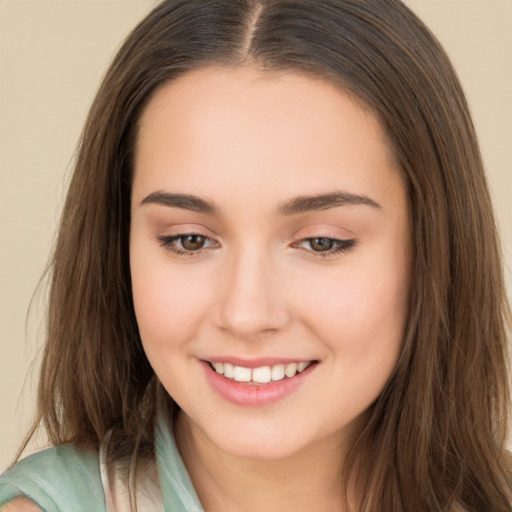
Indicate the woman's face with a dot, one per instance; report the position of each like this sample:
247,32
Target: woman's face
269,233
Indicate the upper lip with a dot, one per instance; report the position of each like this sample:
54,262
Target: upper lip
258,362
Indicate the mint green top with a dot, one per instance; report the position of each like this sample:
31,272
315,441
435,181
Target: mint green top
66,479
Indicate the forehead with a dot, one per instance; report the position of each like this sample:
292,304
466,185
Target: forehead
246,128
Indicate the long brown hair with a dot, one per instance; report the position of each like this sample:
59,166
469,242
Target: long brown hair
436,436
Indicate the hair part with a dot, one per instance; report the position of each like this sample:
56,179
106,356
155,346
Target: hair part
436,435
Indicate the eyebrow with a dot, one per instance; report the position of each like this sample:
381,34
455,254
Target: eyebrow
301,204
184,201
304,204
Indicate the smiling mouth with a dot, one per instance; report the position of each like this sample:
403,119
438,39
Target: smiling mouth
261,375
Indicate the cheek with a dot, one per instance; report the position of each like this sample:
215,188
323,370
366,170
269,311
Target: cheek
353,301
169,305
363,309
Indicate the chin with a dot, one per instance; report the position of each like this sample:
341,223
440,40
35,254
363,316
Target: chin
265,440
270,448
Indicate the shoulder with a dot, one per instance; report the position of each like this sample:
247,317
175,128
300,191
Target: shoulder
20,504
60,478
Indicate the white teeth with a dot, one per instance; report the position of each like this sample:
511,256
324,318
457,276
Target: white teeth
291,369
242,374
302,366
261,375
229,370
278,372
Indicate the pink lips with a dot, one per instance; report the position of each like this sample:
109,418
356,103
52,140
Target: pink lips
251,395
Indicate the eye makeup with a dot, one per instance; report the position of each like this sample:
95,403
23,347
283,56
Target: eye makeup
193,244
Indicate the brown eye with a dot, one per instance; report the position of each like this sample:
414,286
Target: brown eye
321,244
188,244
192,242
325,246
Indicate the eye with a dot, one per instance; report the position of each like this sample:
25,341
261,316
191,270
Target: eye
186,244
325,246
321,244
192,242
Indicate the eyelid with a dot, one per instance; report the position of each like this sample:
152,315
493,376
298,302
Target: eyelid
341,245
343,239
167,242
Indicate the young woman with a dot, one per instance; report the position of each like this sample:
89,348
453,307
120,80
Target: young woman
277,283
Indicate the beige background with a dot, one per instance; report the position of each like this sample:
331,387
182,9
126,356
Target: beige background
52,56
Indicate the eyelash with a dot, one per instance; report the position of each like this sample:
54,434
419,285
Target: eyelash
339,245
167,243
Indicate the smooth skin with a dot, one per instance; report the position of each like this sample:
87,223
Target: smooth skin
239,271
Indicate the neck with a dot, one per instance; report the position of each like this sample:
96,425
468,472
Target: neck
307,480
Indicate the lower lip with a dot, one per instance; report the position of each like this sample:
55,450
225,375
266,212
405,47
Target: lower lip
254,395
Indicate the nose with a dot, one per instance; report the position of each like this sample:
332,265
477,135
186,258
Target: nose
253,298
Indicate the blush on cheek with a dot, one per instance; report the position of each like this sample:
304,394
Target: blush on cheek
168,310
360,312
